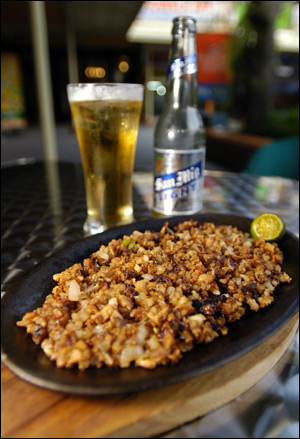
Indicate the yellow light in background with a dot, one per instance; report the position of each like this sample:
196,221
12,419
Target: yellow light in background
123,66
95,72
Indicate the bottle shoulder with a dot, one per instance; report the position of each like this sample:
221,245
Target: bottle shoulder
180,125
183,116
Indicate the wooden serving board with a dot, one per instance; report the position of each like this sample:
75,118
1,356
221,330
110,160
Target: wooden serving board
31,412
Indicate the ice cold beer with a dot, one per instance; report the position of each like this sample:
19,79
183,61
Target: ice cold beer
107,132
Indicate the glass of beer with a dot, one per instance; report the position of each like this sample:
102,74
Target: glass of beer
106,119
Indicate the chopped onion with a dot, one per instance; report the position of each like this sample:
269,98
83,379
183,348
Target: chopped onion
103,255
137,268
74,291
160,269
92,287
215,291
198,318
147,276
170,290
142,333
269,286
129,354
113,301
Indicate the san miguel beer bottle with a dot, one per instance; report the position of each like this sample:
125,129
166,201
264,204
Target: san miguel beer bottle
179,152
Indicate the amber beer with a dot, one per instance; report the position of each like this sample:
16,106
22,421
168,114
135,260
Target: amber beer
106,119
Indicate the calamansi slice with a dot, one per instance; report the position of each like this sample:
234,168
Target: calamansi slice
268,226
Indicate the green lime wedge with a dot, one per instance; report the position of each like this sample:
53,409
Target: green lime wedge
268,226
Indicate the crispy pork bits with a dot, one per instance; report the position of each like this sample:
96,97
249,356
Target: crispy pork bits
148,297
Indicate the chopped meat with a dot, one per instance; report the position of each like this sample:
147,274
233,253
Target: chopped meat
148,303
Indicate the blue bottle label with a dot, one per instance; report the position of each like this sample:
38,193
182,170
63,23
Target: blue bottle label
181,66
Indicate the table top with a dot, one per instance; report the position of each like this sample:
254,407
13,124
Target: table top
43,211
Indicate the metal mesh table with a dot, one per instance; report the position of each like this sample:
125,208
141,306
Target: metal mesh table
44,208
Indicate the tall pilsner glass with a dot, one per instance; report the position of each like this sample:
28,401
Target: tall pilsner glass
106,118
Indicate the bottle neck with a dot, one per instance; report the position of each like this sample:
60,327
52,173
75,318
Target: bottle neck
182,81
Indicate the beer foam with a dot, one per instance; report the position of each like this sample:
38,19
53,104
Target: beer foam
107,91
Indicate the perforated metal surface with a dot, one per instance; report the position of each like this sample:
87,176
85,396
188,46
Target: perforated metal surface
43,211
44,208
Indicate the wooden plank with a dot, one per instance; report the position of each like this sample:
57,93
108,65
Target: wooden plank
243,140
232,150
22,402
36,413
6,374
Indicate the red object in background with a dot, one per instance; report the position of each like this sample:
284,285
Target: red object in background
212,58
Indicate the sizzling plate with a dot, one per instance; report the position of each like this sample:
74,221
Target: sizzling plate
28,361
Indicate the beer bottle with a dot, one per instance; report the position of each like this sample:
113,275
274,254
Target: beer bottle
180,143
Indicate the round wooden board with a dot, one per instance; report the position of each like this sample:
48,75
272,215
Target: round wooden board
141,414
183,402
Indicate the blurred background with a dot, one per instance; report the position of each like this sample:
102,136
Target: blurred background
248,72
